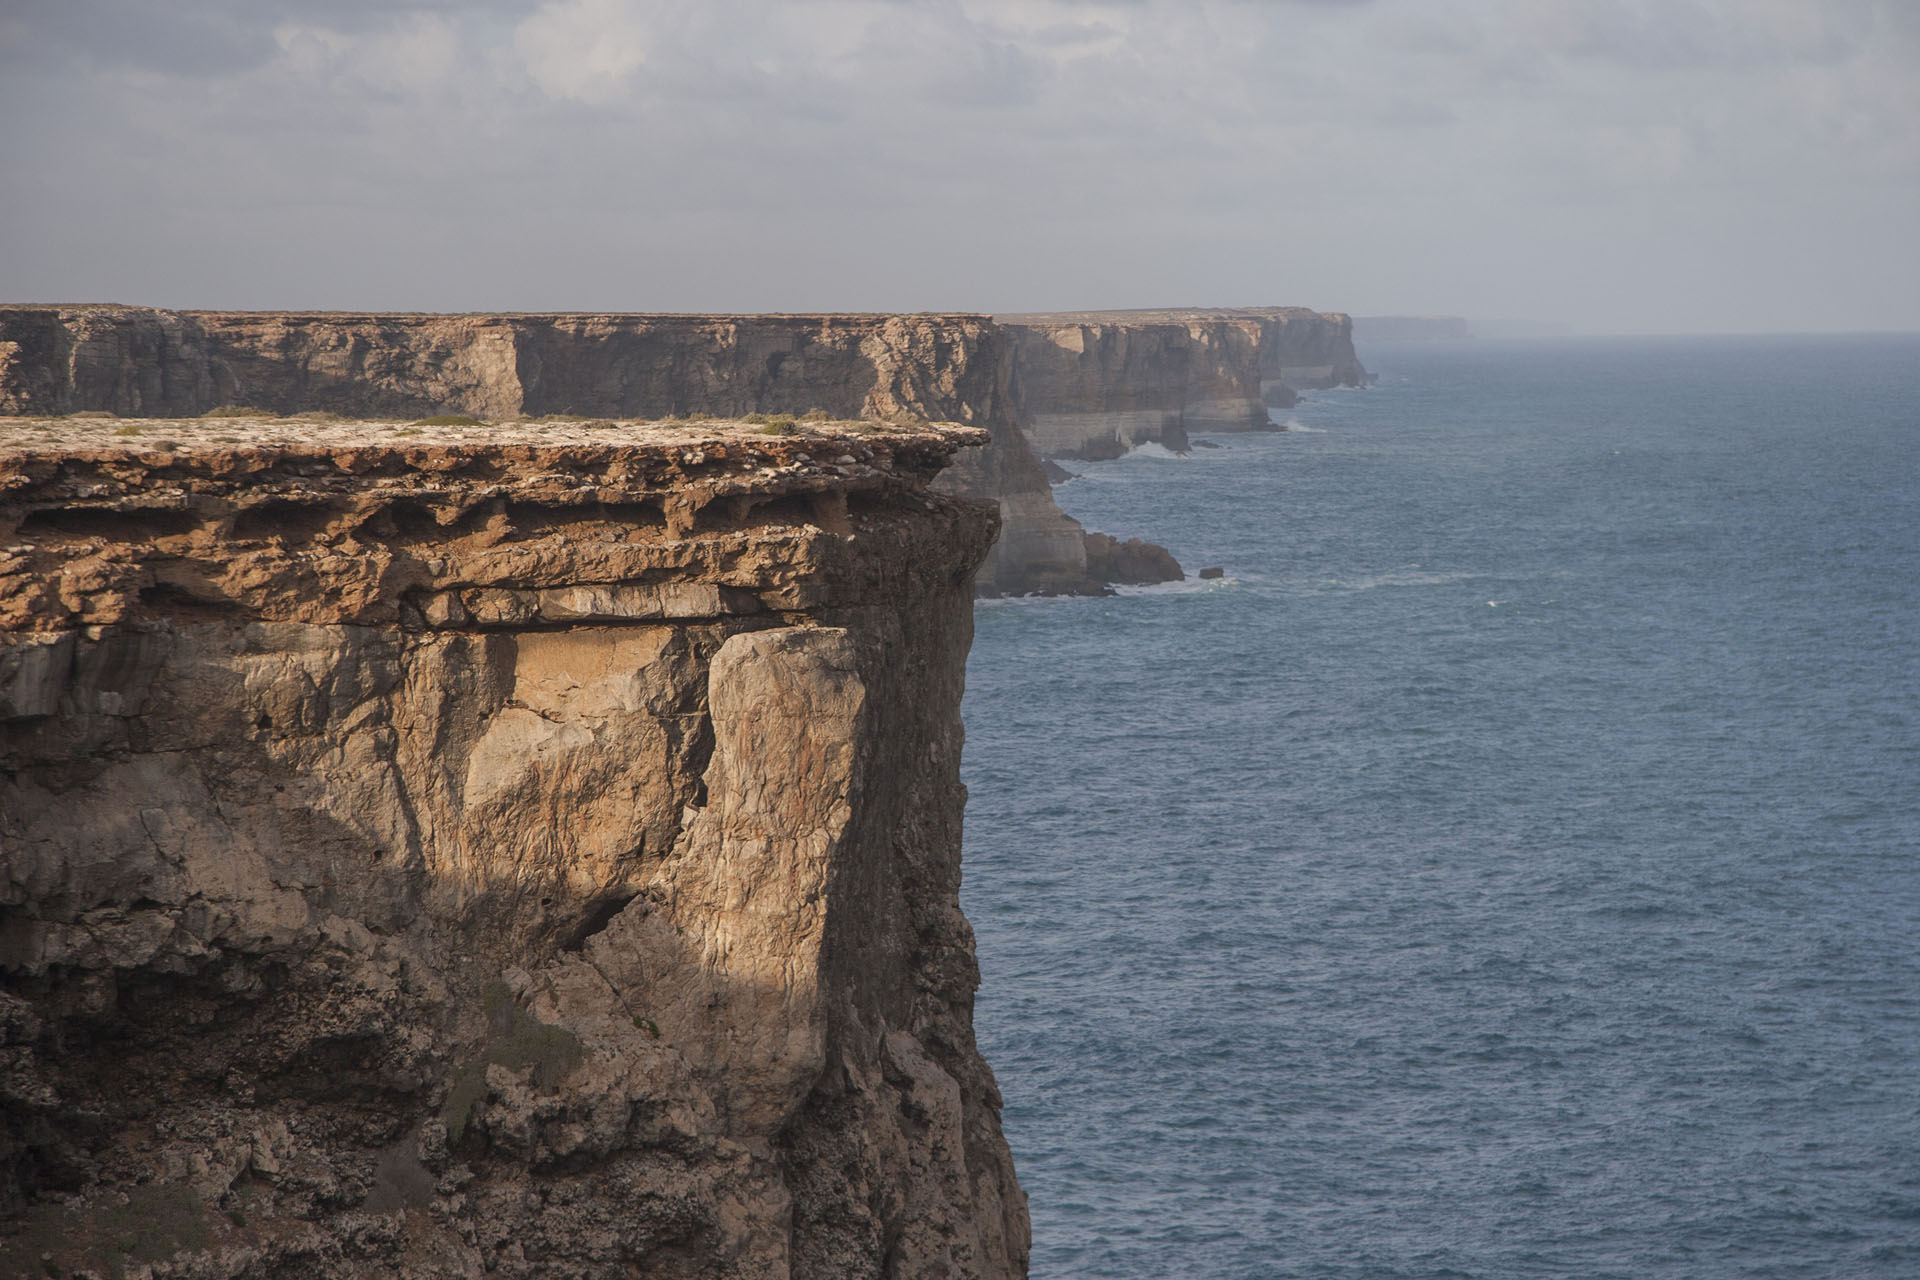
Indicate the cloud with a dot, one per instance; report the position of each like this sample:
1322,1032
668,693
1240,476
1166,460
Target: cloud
588,49
195,37
1382,155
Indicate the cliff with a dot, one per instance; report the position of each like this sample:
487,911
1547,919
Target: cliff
518,850
1094,384
141,361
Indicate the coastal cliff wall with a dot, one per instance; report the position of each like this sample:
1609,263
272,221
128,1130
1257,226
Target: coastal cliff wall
943,368
1095,384
1093,389
515,850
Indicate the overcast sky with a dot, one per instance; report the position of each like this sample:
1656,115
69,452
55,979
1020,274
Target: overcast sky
1624,165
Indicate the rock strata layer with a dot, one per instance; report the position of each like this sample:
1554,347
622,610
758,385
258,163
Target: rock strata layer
523,852
1095,384
135,361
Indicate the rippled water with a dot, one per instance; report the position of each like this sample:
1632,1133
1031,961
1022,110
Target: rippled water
1512,868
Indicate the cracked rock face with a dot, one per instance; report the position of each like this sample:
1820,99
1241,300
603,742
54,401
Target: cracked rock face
516,858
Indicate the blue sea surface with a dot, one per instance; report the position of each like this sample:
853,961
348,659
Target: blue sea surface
1511,868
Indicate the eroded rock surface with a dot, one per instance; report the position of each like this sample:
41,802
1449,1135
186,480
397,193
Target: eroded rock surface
528,855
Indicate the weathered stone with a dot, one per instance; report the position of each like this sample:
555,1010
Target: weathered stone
425,859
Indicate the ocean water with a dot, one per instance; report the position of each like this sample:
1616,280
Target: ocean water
1512,867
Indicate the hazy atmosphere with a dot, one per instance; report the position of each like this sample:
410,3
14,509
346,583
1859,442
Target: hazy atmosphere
1621,165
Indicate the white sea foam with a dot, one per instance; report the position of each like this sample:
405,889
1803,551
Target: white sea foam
1000,602
1394,578
1189,587
1154,449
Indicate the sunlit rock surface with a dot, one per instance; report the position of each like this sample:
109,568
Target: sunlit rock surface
515,850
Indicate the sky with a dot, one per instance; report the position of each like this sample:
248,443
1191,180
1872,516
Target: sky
1654,166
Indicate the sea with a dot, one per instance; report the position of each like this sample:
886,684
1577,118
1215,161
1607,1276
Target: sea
1511,866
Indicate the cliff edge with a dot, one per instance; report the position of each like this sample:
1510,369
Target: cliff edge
139,361
1094,384
519,850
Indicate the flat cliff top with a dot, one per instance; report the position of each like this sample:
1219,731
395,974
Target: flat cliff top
1155,315
774,435
106,520
84,460
864,317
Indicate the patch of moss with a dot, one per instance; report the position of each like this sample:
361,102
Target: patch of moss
236,411
517,1041
448,420
128,430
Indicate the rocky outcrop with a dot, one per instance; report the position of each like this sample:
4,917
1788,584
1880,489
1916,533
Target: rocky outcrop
1132,562
141,361
524,850
1095,384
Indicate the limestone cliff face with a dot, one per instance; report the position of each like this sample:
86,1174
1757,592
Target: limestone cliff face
523,851
1095,384
140,361
1094,389
1304,349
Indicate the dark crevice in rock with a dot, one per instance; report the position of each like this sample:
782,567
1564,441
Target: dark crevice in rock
78,523
598,915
